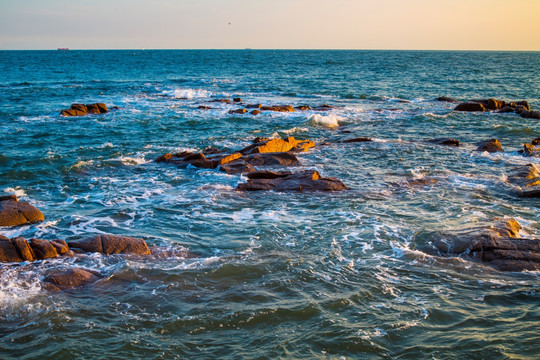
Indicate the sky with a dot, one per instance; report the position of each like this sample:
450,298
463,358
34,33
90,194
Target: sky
271,24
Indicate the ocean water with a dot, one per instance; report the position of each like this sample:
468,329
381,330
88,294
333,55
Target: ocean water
266,275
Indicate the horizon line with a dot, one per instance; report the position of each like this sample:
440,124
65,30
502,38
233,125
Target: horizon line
266,49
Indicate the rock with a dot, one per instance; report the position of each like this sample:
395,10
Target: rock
203,107
278,145
302,181
43,249
25,250
272,159
8,198
530,114
359,139
525,105
255,112
447,99
535,141
61,246
445,141
498,244
323,107
492,145
527,179
259,139
229,158
82,109
279,108
71,278
253,106
303,107
470,106
520,109
112,244
186,158
15,213
8,251
226,101
236,167
237,99
238,111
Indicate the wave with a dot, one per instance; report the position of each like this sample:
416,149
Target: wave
330,121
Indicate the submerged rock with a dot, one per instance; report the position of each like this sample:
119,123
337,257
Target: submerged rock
287,181
527,179
447,99
492,145
358,139
471,107
112,244
278,108
71,278
445,141
15,213
238,111
82,109
497,244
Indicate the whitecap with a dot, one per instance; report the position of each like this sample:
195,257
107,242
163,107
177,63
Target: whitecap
330,121
15,191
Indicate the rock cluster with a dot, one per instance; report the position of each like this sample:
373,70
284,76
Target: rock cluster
258,108
82,109
519,107
15,213
19,249
498,244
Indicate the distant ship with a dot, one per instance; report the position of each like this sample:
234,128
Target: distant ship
63,49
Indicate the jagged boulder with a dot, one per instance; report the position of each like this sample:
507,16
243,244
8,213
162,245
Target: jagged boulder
82,109
492,145
278,108
278,145
15,213
112,244
71,278
527,179
287,181
497,244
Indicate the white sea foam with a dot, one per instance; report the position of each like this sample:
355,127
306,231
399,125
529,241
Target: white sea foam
130,160
191,93
330,121
15,191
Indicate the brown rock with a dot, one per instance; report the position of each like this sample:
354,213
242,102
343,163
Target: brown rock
359,139
237,99
43,249
8,251
272,159
238,111
97,108
71,278
226,101
445,141
253,106
279,108
8,198
255,112
15,213
520,109
525,105
236,167
492,145
323,107
535,141
164,158
79,107
229,158
72,112
303,181
303,107
470,106
61,246
24,249
278,145
112,244
447,99
530,114
202,107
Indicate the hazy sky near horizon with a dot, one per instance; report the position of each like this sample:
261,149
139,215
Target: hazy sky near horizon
276,24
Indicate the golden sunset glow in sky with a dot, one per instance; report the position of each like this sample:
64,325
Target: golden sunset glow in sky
276,24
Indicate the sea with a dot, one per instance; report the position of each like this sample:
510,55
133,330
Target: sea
267,275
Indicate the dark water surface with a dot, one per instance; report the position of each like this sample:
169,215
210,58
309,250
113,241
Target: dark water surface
276,275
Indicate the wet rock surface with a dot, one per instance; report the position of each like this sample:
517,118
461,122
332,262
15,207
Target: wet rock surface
85,109
491,146
527,179
287,181
15,213
497,244
71,278
112,244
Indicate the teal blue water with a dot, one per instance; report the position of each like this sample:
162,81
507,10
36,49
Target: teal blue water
266,275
